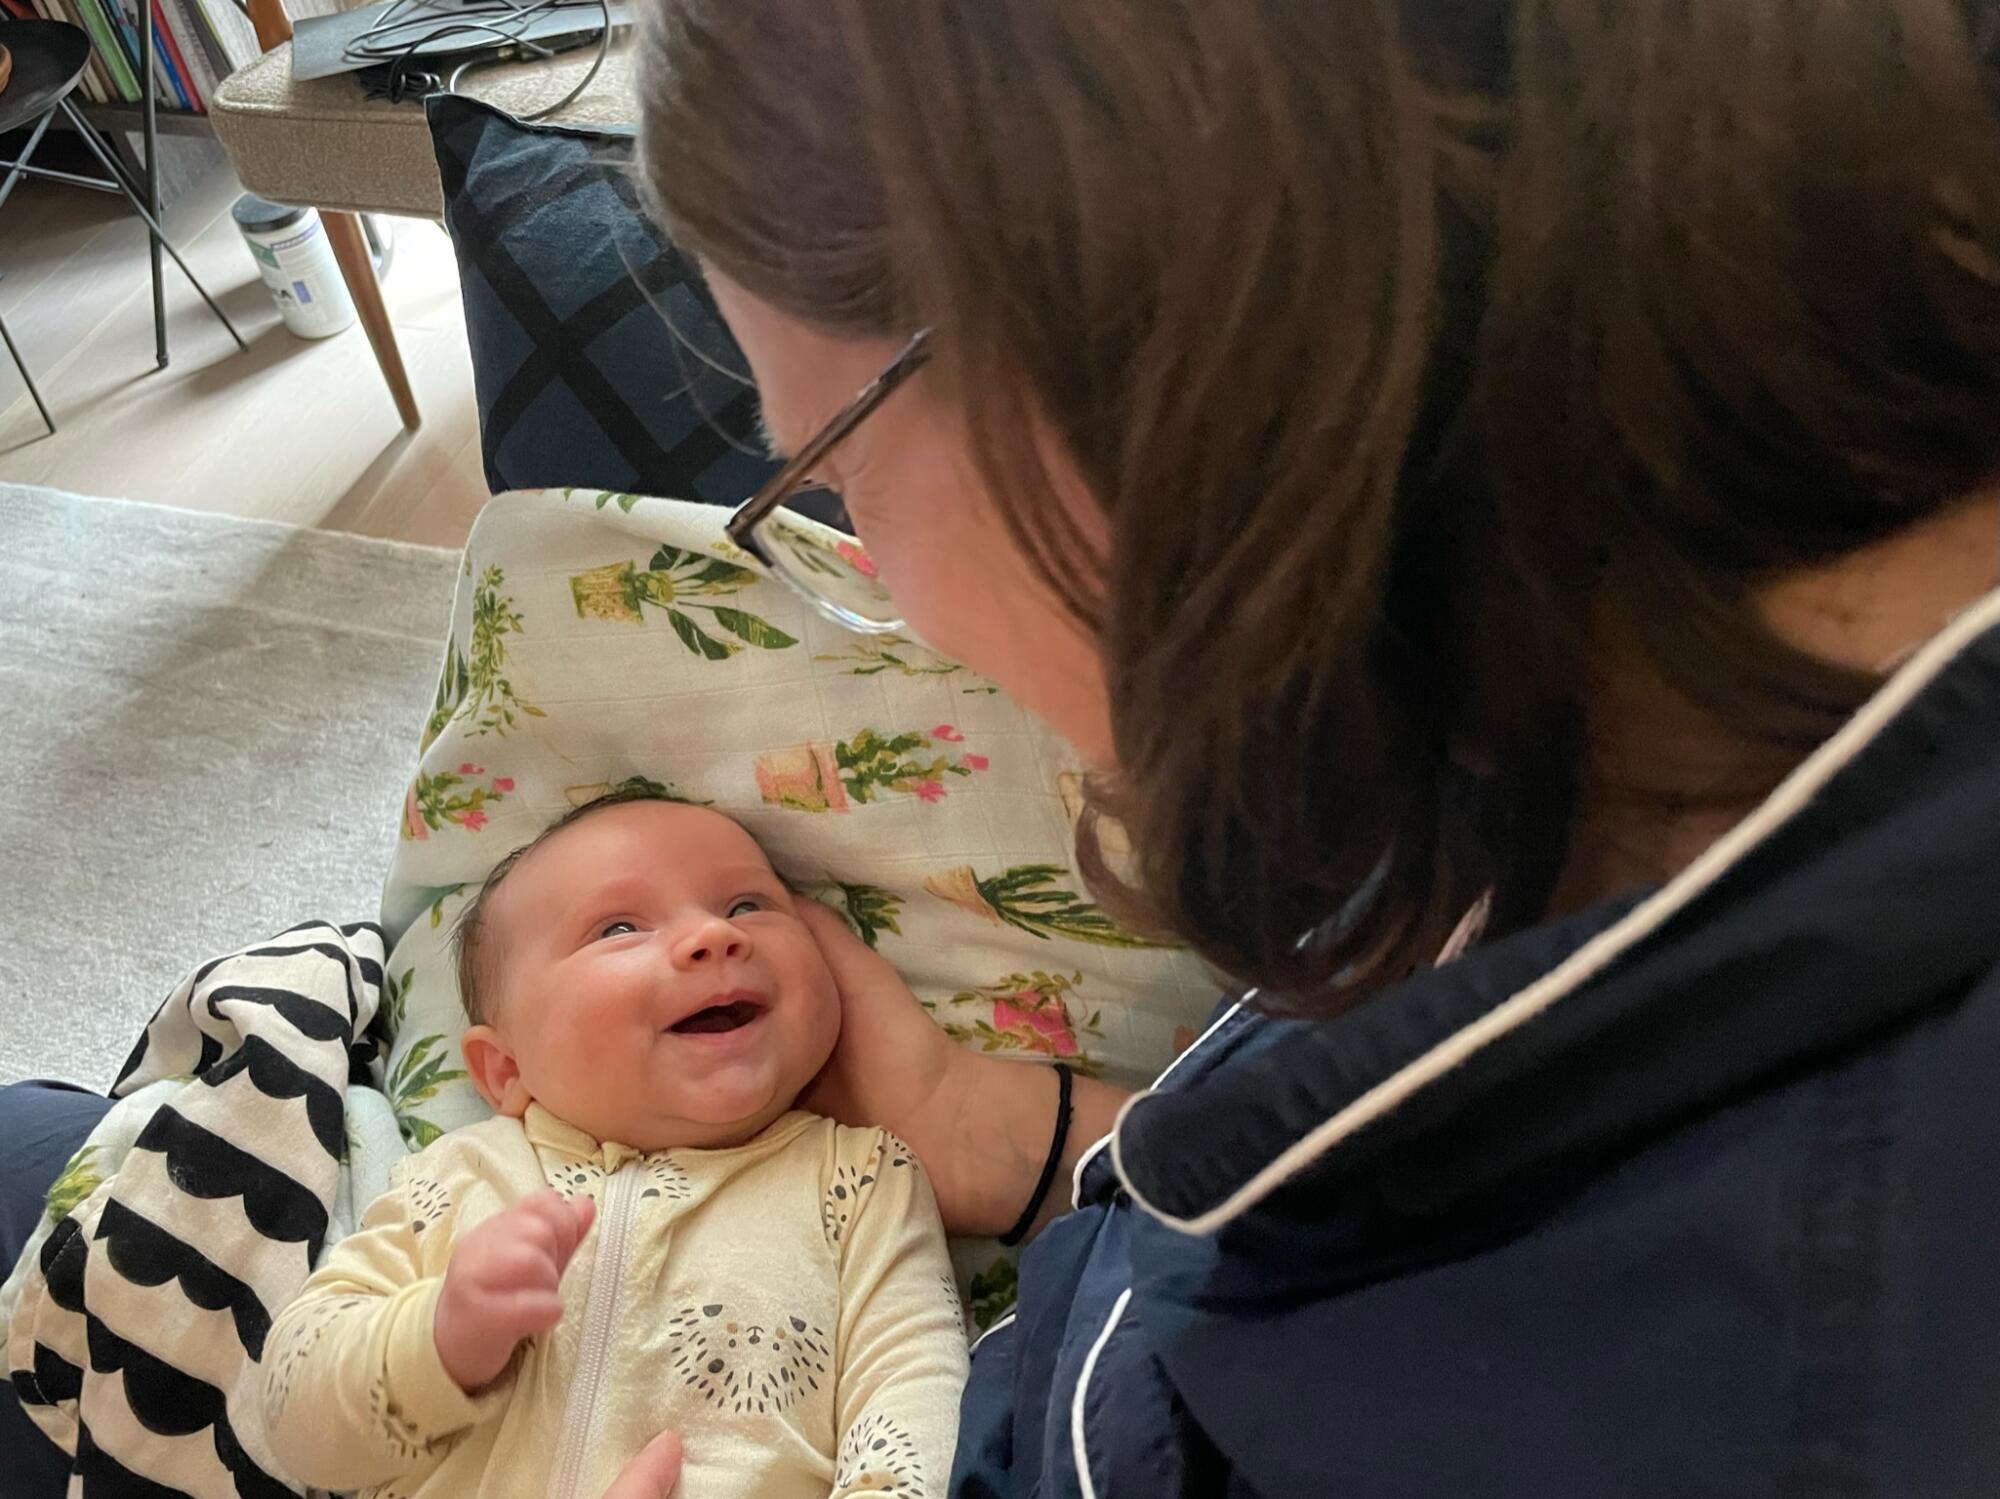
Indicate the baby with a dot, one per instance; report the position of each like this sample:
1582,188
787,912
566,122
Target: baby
648,1237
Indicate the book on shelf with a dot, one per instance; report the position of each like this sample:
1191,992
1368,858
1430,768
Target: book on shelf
232,30
109,48
198,50
196,44
168,45
98,87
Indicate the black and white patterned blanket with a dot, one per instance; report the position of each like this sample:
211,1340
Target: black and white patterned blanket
192,1216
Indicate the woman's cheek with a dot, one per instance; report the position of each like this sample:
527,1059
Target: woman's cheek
941,590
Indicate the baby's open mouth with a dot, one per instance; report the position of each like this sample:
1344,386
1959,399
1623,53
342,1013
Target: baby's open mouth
730,1016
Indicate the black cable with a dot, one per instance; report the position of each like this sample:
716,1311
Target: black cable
589,77
500,18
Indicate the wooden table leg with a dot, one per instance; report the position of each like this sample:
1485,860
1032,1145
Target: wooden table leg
350,248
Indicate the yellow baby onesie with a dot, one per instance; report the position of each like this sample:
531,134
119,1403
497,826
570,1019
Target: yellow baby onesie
786,1305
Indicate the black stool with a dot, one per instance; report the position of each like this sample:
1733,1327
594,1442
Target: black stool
49,59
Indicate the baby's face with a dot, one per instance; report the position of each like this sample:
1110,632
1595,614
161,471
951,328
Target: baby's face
653,982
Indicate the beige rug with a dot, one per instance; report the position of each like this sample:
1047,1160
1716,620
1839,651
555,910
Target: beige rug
206,725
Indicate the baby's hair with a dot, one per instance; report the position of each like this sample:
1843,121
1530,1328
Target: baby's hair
468,935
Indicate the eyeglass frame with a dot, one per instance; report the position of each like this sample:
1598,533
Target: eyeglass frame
797,472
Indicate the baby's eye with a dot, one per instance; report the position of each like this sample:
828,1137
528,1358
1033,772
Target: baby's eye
747,904
615,929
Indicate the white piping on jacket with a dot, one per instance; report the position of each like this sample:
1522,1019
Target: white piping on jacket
1003,1322
1076,1176
1089,1156
1594,956
1082,1457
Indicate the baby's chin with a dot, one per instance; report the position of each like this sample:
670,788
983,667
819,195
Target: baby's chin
721,1109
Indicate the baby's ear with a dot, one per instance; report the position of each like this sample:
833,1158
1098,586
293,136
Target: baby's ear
495,1072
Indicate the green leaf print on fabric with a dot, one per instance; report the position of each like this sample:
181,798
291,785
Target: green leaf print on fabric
1029,1013
436,798
395,1000
993,1292
897,653
752,630
489,697
870,762
453,683
416,1079
437,906
78,1180
697,639
625,502
677,581
869,909
1029,898
821,777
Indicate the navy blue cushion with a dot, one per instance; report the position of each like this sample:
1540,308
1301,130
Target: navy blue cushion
598,357
44,1124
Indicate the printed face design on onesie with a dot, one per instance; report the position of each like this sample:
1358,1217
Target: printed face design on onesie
735,1364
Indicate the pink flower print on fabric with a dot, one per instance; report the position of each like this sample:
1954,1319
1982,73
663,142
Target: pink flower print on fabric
413,820
449,797
865,768
1037,1021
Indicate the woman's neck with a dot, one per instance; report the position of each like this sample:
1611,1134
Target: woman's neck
1664,778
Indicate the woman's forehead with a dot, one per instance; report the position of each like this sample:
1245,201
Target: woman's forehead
804,375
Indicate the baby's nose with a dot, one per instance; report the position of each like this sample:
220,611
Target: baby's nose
709,941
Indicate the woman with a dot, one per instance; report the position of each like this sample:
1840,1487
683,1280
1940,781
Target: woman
1448,465
1465,473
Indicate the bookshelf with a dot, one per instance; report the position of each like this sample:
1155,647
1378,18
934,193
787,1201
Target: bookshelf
131,118
167,55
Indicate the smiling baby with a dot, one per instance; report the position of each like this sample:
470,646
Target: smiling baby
649,1236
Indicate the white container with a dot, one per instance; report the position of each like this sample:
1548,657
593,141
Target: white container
297,264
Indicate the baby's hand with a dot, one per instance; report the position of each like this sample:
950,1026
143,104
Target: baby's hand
504,1284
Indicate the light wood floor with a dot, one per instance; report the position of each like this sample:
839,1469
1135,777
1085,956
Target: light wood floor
293,430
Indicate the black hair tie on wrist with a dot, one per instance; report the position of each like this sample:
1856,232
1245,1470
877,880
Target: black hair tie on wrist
1033,1210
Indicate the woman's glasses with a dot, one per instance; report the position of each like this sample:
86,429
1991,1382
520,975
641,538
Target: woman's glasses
830,572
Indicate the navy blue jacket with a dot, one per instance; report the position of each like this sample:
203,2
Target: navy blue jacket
1694,1193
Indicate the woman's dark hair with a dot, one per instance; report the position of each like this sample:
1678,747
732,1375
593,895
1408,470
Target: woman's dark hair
1413,353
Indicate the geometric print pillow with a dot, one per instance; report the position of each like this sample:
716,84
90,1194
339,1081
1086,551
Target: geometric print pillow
598,357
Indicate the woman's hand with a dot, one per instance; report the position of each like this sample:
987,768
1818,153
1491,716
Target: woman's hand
891,1061
652,1474
980,1125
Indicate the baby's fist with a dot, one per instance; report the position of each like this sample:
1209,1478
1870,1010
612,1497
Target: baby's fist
504,1283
